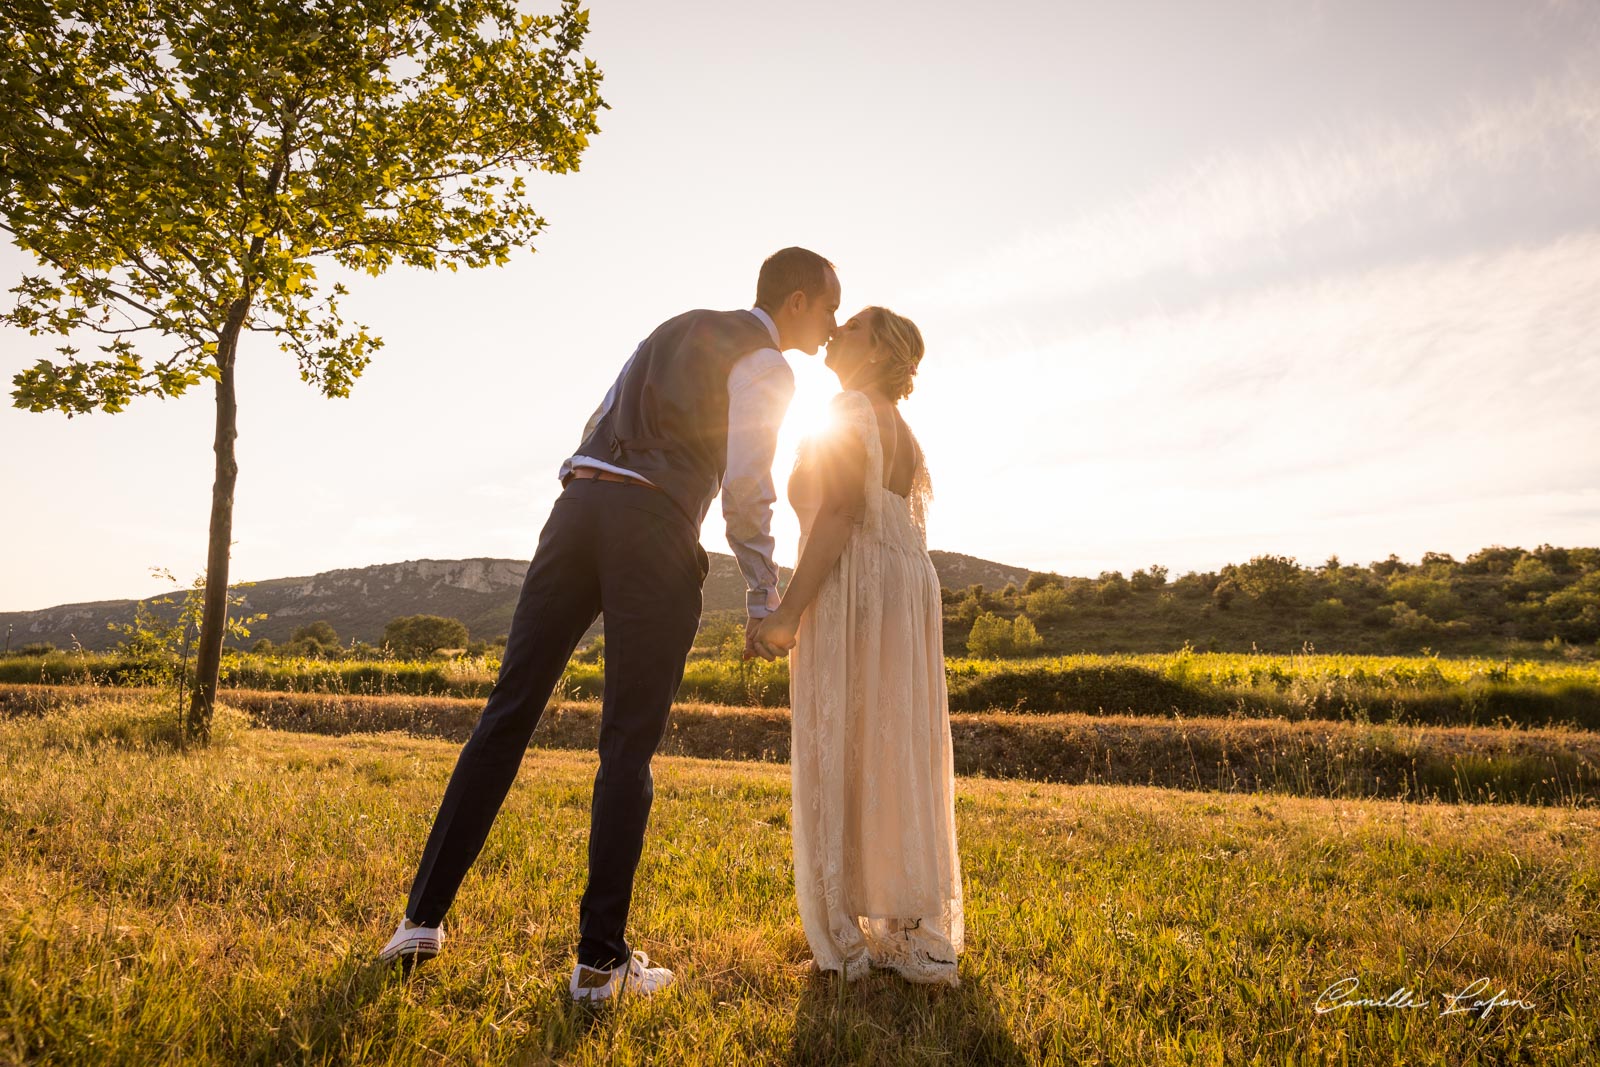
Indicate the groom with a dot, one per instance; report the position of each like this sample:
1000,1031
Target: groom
695,409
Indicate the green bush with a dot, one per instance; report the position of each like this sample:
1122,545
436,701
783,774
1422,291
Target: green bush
990,636
1573,613
1532,577
993,636
1431,596
1222,594
420,636
1048,603
1270,579
317,640
1112,588
1148,579
1330,612
1195,585
968,610
1411,620
1037,581
1025,637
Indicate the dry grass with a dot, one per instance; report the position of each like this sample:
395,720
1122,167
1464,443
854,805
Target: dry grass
222,906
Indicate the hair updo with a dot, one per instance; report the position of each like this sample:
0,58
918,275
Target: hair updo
901,343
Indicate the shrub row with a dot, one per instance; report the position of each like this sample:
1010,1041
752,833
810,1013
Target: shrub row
1399,689
1453,764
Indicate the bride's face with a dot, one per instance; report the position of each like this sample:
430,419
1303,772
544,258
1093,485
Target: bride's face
853,352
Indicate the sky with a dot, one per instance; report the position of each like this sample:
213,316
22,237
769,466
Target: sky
1199,282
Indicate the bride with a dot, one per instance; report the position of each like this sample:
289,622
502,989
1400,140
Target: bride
876,869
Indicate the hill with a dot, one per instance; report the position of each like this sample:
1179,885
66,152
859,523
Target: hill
1499,601
960,572
359,601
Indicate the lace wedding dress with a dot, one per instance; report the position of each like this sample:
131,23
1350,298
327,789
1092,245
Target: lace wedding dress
876,869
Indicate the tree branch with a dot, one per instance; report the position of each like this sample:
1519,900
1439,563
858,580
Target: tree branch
107,287
129,329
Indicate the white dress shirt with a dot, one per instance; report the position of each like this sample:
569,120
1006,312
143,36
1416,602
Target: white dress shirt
760,386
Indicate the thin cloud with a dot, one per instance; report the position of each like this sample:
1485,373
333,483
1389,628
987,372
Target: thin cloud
1327,194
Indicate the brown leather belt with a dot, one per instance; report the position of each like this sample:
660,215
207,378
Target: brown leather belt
596,474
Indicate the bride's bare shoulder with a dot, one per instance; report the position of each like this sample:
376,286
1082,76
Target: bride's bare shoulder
850,400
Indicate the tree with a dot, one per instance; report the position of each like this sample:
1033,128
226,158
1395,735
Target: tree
1143,580
1431,596
1269,579
420,636
1195,584
1024,635
315,640
321,631
1048,603
993,636
1531,577
1496,559
1038,580
968,608
1557,559
1574,612
1386,568
1330,612
178,168
990,636
1113,588
1223,592
1439,563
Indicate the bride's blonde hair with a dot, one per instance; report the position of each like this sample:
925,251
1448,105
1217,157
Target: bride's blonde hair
901,342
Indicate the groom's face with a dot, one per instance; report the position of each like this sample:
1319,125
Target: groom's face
815,321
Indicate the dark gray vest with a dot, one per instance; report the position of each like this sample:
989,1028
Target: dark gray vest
669,418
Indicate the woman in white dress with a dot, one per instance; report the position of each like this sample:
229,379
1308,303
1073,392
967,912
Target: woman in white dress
876,869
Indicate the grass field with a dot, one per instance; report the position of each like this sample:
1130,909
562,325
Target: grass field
223,905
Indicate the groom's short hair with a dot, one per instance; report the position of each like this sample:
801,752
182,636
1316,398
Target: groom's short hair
791,270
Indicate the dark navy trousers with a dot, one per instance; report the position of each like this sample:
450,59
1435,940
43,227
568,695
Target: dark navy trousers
627,552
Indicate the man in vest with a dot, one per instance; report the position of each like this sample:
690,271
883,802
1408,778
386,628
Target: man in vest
695,410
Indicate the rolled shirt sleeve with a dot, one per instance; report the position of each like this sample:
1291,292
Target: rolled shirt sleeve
760,386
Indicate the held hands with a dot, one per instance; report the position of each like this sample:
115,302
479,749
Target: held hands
770,637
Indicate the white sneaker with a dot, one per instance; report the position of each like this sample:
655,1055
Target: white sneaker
412,943
637,976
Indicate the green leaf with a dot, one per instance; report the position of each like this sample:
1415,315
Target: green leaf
165,159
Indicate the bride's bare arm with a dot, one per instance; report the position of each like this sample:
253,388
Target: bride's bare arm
777,631
841,468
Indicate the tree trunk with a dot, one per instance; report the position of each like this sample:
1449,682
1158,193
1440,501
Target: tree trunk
214,619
